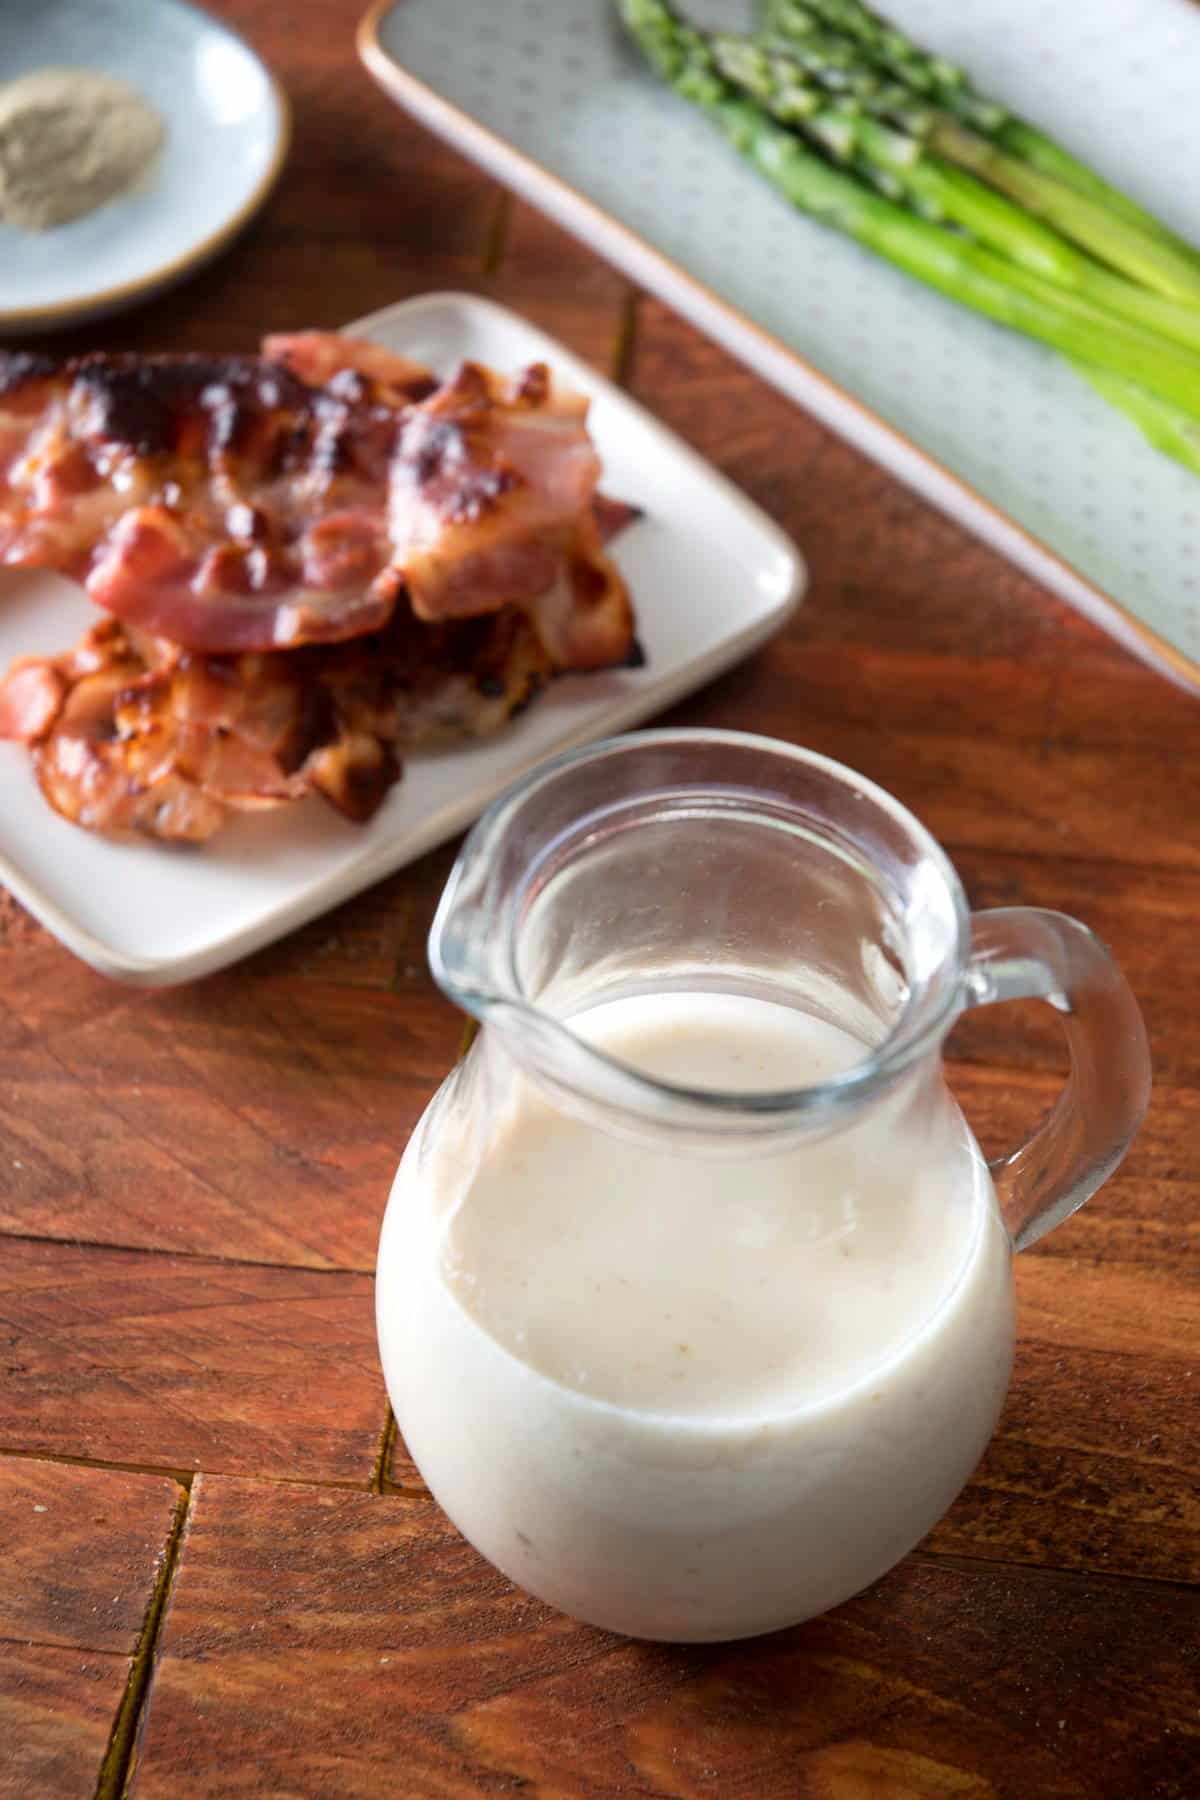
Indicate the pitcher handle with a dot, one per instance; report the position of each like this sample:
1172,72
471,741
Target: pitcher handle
1022,952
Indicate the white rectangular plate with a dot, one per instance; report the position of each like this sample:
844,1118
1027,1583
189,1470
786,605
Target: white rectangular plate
711,578
994,429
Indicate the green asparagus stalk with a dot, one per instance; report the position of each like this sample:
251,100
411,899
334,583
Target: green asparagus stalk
1162,424
889,49
899,163
924,73
1146,257
957,267
1152,258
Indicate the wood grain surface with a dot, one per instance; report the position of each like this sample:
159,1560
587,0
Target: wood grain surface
83,1549
82,1554
187,1363
191,1185
57,1714
341,1644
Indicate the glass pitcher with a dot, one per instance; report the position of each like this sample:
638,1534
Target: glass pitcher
694,1290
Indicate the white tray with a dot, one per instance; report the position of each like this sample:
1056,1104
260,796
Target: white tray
711,578
995,430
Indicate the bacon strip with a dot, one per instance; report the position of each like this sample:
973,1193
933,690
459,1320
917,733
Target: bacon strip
318,357
129,733
257,503
311,561
222,503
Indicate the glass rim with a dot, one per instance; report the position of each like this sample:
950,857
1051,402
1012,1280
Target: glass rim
915,1031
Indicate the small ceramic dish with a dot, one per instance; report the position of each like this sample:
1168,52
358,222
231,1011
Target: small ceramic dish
711,578
226,124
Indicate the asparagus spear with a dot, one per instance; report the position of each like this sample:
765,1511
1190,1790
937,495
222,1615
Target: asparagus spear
962,270
1161,424
889,49
1148,257
899,163
916,69
1151,257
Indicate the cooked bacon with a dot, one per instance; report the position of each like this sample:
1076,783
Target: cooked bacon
317,357
612,516
253,503
129,733
31,697
219,502
487,476
312,562
106,783
85,768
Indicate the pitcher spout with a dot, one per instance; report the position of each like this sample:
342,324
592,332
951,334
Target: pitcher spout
683,861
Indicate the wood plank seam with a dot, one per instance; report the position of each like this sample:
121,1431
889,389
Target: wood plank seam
384,1486
495,243
983,1565
989,1566
185,1255
1033,1440
401,1490
182,1476
54,1644
185,1476
1071,859
387,1438
114,1769
203,1256
937,1558
626,345
953,846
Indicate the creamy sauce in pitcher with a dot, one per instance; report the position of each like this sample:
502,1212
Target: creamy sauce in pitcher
696,1397
748,1286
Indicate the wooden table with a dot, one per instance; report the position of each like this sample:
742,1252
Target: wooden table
219,1573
